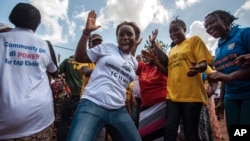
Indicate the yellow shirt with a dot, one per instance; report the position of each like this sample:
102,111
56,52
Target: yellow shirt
86,79
182,88
129,92
209,70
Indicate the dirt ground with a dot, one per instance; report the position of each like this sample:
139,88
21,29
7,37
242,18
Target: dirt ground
223,129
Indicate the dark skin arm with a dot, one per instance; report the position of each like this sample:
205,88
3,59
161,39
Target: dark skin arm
213,88
197,68
243,60
81,50
160,66
160,58
242,74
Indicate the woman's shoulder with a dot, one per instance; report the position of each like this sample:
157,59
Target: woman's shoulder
195,37
105,48
196,40
245,31
108,44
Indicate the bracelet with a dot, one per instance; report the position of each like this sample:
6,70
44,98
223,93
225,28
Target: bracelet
87,33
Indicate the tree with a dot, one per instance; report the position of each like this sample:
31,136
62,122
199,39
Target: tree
165,47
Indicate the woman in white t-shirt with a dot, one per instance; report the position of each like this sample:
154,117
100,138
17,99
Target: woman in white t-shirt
26,103
103,101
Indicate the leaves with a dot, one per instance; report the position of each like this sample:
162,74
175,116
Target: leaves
165,47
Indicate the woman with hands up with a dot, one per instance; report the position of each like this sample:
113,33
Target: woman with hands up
102,103
156,54
153,91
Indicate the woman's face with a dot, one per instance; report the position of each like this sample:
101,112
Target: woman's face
126,38
215,27
139,58
177,33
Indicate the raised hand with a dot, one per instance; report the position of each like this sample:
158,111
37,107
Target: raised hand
153,36
147,54
91,22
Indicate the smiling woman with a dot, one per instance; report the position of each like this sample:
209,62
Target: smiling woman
105,93
186,93
233,43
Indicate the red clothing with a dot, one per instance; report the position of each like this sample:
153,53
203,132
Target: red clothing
152,84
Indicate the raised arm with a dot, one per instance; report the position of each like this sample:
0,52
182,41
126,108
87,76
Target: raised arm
81,50
158,52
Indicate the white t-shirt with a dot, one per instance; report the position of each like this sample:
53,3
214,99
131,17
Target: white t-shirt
111,76
136,88
26,104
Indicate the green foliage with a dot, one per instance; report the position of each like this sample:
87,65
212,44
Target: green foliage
165,47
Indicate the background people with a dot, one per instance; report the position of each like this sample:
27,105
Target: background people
73,78
153,98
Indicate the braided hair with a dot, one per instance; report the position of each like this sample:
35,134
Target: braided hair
179,22
224,16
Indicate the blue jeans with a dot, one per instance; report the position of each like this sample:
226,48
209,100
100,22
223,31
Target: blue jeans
67,110
89,118
137,111
189,112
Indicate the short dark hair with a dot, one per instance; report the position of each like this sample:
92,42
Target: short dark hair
223,15
25,15
180,22
133,25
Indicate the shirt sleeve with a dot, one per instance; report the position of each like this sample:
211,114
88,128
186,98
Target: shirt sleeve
246,38
209,70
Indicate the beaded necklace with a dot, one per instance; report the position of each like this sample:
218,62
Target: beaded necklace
132,65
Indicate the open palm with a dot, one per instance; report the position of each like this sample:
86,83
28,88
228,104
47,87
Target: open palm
91,22
153,36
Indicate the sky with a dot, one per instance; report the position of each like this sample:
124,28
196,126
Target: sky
63,20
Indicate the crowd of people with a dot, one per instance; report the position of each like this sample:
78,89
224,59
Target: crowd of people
116,96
